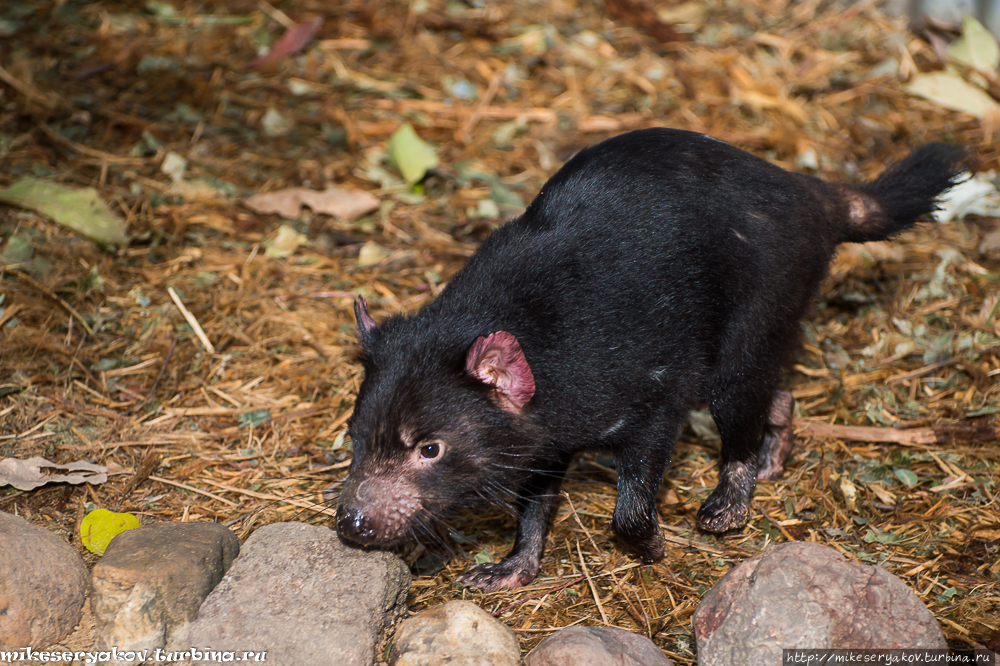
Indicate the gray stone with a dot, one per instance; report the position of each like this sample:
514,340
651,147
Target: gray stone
806,595
305,598
597,646
148,587
458,632
43,582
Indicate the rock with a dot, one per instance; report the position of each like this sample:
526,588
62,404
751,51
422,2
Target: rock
43,582
597,646
148,587
457,632
300,595
806,595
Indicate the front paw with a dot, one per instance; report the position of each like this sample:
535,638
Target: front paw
507,574
649,546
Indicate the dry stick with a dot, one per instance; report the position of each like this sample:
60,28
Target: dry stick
50,101
866,434
593,588
149,462
920,372
275,498
614,578
775,523
10,312
192,489
152,390
191,321
536,595
477,115
87,150
51,294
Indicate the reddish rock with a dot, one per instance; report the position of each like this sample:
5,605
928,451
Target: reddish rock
806,595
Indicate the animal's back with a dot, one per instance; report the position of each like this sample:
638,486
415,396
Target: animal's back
639,264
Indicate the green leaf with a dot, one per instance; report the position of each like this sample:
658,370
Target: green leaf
100,526
484,557
82,210
906,476
254,418
411,154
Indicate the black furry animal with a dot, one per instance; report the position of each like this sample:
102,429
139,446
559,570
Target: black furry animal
655,271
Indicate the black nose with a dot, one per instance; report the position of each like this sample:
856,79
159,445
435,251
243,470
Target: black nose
354,526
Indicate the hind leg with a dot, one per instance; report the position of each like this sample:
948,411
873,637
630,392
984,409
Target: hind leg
779,437
742,409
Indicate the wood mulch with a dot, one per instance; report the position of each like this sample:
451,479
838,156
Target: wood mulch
896,380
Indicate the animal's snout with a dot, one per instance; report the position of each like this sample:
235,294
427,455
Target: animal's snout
355,526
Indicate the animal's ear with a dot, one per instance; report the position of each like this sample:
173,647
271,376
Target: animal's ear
497,360
366,325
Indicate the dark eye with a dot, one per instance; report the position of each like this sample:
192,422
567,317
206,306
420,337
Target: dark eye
430,451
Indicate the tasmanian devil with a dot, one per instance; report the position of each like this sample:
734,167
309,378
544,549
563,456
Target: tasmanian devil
658,270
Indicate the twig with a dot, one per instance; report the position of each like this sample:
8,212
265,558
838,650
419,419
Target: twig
152,390
87,150
9,313
276,14
192,489
528,598
484,103
191,321
593,588
926,370
50,100
274,498
865,434
51,294
149,462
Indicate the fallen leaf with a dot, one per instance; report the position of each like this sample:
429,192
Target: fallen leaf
849,491
34,472
371,254
411,154
287,241
80,209
951,91
977,47
174,166
346,204
100,526
294,39
275,124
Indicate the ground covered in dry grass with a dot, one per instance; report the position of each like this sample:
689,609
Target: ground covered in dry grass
904,338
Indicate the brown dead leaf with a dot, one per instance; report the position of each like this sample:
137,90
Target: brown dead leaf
346,204
34,472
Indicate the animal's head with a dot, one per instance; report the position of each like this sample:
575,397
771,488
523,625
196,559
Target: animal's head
433,429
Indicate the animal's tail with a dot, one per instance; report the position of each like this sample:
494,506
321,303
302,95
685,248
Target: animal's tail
903,193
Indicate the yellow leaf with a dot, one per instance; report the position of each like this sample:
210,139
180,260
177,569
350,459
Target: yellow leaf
951,91
977,47
100,526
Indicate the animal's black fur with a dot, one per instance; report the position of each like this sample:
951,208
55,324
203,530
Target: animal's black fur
655,271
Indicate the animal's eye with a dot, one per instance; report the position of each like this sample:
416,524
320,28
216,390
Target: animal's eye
430,451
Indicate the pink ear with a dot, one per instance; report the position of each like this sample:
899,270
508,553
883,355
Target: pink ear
365,322
497,360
